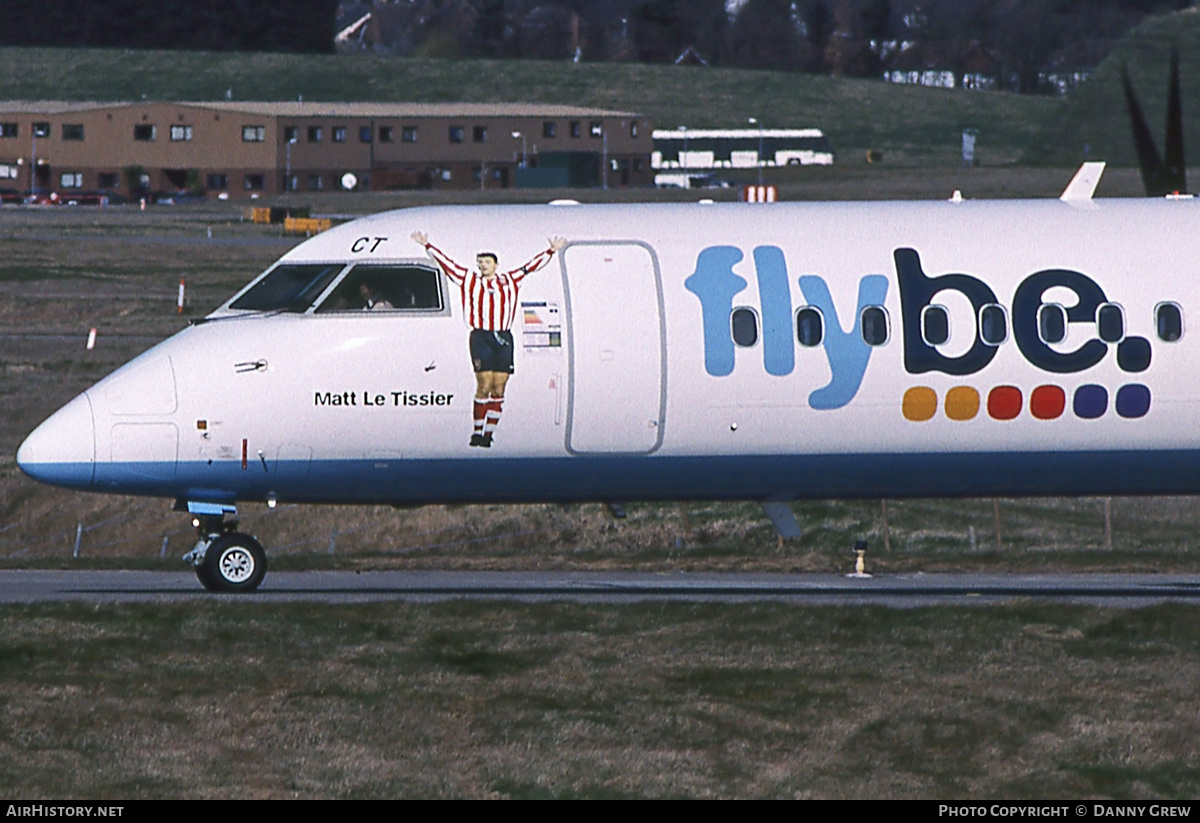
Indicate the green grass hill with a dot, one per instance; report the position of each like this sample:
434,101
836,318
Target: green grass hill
1094,115
911,126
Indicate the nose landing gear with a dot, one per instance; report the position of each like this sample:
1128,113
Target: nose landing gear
226,560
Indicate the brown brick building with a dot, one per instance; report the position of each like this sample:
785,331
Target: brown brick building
264,148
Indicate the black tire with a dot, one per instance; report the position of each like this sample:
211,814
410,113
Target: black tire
204,575
233,563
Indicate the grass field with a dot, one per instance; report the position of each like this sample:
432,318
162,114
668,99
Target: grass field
242,700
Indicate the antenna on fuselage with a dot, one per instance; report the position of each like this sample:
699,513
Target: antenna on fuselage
1083,184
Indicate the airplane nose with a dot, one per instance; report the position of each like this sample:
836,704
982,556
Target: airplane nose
62,451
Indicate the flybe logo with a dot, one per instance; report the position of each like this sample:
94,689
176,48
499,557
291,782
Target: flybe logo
1036,327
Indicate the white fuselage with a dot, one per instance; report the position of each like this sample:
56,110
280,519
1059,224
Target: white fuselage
685,351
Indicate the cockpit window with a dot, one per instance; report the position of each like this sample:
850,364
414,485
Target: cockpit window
289,287
386,288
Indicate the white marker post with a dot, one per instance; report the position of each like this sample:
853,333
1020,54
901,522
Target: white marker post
91,343
182,291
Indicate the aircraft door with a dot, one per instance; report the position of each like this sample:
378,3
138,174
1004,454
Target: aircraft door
616,345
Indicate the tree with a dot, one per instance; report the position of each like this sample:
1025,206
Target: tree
874,20
1026,34
818,28
764,35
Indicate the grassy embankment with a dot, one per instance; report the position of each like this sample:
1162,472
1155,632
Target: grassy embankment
261,700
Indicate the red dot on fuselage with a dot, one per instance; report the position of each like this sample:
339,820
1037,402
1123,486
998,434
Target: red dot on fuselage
1004,402
1047,402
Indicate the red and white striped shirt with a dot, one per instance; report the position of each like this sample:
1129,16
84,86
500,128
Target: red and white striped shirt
489,303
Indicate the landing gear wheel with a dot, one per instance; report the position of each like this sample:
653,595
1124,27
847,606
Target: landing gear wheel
234,562
204,575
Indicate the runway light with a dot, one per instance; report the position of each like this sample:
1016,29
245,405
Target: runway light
860,559
271,501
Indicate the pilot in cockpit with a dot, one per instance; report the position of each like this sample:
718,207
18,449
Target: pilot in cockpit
373,300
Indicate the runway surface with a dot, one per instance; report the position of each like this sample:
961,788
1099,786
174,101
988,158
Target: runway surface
895,590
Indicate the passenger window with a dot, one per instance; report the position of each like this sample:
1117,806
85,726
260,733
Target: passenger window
386,288
935,325
810,327
1052,323
993,324
1168,319
745,327
288,287
1110,323
874,325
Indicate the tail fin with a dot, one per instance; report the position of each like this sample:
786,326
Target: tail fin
1161,175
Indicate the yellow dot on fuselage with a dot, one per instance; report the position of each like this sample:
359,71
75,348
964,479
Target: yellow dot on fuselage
920,403
962,403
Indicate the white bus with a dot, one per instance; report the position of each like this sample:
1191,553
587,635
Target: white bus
697,149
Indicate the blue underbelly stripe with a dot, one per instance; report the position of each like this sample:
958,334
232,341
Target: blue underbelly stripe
569,479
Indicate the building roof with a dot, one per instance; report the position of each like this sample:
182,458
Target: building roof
320,109
48,106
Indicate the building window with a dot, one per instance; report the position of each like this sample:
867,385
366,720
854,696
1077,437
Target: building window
549,128
71,180
291,182
144,132
479,134
576,128
8,129
386,134
41,129
216,182
254,134
108,180
596,128
291,134
314,134
456,134
181,134
339,134
364,134
633,129
255,182
8,171
315,182
409,134
72,131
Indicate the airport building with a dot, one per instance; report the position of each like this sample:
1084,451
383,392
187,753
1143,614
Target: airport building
250,149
